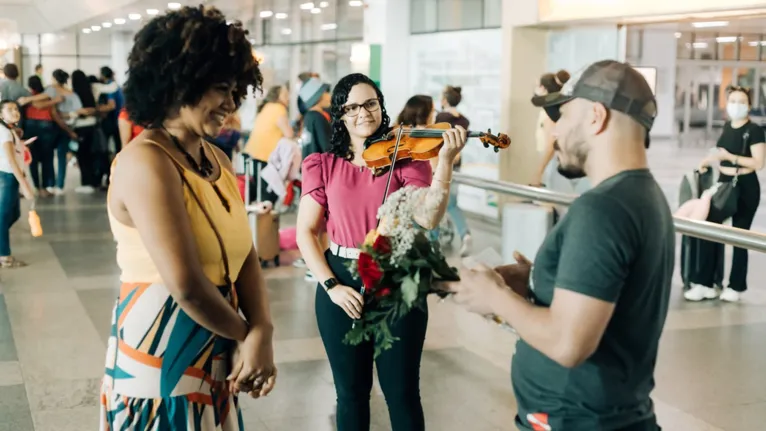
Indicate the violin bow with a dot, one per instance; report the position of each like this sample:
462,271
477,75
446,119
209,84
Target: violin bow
385,194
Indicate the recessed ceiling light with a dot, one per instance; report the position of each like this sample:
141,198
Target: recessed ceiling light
86,30
266,13
119,21
678,35
698,45
174,6
726,39
135,16
286,31
324,4
252,41
355,3
316,10
307,6
710,24
331,26
152,11
95,27
280,15
106,24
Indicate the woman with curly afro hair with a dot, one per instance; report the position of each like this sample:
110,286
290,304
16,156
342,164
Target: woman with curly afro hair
179,352
339,190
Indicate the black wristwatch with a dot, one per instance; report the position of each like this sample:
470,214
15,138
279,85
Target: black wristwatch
330,283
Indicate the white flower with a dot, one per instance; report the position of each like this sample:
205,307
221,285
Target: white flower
397,216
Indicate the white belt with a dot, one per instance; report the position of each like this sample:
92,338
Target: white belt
344,252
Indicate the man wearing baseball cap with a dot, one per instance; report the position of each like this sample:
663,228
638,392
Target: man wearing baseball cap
590,315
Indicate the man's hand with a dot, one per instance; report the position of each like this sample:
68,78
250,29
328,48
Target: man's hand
516,275
477,289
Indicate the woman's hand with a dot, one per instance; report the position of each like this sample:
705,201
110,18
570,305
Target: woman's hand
454,142
253,368
350,300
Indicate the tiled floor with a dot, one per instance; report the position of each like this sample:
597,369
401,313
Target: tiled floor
54,318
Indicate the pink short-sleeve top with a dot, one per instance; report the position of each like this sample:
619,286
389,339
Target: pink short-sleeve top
352,195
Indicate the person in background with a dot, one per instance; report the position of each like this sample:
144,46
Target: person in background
88,151
68,109
12,89
12,180
329,178
303,78
451,97
114,104
315,136
271,125
198,298
228,139
549,83
39,73
741,152
44,122
128,129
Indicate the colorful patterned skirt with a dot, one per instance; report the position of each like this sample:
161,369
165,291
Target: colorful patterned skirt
163,370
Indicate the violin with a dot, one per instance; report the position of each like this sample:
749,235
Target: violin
404,142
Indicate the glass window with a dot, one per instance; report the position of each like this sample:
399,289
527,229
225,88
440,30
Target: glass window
684,49
423,16
749,47
493,13
727,46
703,46
460,14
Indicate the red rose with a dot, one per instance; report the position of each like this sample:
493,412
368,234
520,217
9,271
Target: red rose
369,271
382,245
382,293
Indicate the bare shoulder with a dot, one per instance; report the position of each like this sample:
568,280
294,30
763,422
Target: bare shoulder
144,161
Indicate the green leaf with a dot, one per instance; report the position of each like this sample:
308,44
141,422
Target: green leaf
410,289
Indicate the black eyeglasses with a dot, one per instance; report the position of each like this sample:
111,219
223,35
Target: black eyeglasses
353,109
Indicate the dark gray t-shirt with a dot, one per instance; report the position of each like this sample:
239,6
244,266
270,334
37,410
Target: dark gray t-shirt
616,243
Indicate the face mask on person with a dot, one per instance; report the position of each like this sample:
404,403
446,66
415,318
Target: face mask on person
737,111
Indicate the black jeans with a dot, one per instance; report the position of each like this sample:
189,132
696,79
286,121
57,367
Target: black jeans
398,368
747,205
42,151
10,210
87,157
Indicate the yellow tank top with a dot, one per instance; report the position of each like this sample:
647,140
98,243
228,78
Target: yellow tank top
134,260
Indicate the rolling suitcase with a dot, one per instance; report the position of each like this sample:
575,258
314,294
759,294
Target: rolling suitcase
264,221
692,186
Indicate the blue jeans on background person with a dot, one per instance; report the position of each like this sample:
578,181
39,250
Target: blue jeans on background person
10,210
456,214
62,149
42,151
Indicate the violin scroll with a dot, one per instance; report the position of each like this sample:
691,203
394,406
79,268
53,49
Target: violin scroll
498,142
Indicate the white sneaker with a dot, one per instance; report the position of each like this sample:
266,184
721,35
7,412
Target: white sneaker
299,263
698,292
465,249
57,192
729,295
85,190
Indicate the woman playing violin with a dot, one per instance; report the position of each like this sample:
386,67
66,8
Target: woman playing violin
339,190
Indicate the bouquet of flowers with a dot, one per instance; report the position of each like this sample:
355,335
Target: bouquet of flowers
397,266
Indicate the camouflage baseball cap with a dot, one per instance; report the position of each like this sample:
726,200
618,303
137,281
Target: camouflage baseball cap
617,85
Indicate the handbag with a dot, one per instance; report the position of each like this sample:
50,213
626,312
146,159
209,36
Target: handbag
724,201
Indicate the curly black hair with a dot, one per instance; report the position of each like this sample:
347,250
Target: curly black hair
179,56
340,142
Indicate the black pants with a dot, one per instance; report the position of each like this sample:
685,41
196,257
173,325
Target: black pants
87,157
747,205
42,151
398,368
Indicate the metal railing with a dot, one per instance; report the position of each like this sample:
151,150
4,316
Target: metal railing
698,229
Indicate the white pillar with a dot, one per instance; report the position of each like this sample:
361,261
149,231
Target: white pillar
387,23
